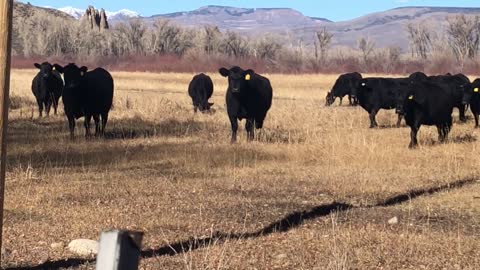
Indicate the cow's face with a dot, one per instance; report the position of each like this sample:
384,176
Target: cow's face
362,87
73,74
204,106
470,91
45,69
237,78
329,99
400,99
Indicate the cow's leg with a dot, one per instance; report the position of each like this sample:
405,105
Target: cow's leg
96,119
104,123
88,118
462,113
446,129
195,108
234,124
40,108
249,126
55,105
413,136
350,100
71,126
48,106
476,120
373,122
341,98
441,133
399,121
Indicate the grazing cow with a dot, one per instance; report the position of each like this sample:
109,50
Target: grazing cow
455,83
47,87
200,90
342,87
88,94
374,94
428,103
472,97
249,96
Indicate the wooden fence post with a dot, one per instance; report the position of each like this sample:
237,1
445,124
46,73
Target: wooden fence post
6,14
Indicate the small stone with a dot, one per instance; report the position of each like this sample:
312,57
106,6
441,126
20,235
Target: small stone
83,247
58,245
281,256
393,220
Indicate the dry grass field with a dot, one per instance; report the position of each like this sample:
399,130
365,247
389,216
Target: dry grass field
315,191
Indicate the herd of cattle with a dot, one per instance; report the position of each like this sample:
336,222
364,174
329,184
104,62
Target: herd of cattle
420,99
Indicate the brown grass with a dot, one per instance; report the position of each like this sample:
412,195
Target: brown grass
175,176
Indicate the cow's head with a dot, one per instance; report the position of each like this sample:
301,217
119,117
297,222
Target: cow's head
237,78
329,99
45,69
417,77
72,74
471,91
361,87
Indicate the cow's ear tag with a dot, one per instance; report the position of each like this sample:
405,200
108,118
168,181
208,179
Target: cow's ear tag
410,97
82,73
247,77
53,68
475,90
363,84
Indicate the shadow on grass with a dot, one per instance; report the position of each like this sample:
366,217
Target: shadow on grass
285,224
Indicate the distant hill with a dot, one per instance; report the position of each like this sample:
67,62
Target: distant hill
384,28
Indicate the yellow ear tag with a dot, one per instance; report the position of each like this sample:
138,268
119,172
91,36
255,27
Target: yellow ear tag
82,73
53,68
475,90
247,77
410,97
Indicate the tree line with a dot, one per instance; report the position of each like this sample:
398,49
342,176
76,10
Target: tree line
431,49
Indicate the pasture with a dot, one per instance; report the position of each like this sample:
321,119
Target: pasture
315,191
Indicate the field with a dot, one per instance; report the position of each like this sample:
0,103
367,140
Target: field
315,191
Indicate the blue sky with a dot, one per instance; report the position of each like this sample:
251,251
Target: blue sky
335,10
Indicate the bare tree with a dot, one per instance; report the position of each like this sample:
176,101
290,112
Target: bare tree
235,45
267,48
464,36
212,39
366,46
322,42
420,39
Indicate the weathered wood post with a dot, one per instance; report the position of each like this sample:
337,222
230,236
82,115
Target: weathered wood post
6,14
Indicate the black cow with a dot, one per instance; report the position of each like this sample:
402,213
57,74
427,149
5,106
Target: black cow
457,84
374,94
200,90
88,94
472,96
342,87
428,103
249,96
47,87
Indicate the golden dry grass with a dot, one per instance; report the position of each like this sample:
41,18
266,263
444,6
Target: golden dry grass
175,176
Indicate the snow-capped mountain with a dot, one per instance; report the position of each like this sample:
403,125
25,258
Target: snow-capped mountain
77,13
122,14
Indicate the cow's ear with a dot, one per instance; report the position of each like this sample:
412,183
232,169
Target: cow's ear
210,104
224,72
58,68
37,65
83,70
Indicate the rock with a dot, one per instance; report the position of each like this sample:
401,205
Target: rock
57,246
393,220
83,247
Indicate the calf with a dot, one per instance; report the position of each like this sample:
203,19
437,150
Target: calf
428,103
47,88
200,90
374,94
472,96
342,87
249,96
88,94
